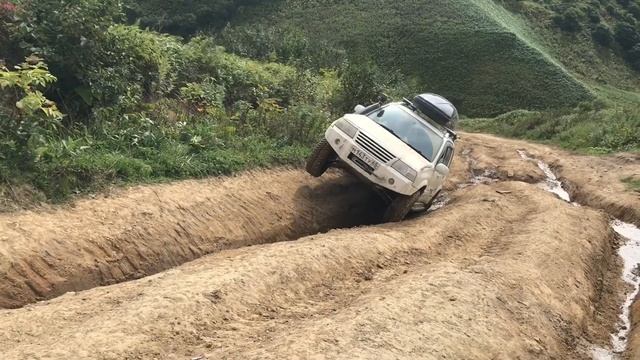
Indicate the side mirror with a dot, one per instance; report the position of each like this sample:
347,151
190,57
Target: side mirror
442,169
359,109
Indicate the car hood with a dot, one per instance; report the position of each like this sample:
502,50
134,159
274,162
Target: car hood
389,141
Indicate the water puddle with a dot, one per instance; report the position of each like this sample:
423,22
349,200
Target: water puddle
551,183
488,176
630,254
440,202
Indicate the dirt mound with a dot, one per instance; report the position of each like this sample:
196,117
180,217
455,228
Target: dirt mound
488,277
146,230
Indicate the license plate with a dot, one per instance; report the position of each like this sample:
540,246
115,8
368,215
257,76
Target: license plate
364,159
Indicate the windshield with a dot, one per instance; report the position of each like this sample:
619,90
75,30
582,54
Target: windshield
409,129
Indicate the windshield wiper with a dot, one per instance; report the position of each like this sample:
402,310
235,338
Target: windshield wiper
396,135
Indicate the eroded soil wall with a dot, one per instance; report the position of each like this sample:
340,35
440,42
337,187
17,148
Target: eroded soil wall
149,229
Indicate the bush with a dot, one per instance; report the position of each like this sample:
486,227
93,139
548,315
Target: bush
28,112
593,14
360,83
568,20
183,17
634,10
131,65
69,34
626,35
602,35
633,57
288,45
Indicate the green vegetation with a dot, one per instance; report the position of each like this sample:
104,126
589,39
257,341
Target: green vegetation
590,127
100,92
472,51
139,105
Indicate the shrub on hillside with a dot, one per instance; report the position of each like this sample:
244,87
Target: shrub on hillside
569,20
633,56
131,65
602,35
634,9
593,14
626,35
243,79
27,114
183,17
70,36
288,45
360,83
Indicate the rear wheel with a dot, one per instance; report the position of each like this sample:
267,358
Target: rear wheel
320,159
400,206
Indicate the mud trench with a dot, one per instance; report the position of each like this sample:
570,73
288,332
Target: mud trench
47,255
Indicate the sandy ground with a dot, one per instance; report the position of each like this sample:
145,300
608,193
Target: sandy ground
504,271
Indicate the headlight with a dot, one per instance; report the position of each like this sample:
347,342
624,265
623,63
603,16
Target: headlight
347,127
405,170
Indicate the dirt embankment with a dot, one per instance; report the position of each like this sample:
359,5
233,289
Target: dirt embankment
489,277
149,229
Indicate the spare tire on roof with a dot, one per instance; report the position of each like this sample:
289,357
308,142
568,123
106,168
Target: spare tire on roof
438,109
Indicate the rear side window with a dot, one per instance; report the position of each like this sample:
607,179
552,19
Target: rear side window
447,156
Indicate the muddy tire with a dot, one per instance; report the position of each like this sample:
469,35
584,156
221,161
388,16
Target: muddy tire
320,158
400,206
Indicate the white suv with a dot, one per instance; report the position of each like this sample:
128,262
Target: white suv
404,149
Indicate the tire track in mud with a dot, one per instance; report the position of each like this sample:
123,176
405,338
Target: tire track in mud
151,229
461,284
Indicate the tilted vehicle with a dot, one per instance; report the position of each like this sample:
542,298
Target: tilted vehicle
404,149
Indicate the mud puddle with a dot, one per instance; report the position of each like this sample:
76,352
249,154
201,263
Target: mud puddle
630,254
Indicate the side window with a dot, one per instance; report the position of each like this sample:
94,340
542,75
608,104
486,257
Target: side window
447,156
450,160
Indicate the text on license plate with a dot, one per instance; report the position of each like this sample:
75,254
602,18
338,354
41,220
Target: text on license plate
366,159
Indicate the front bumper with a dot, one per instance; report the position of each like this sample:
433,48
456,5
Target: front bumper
384,176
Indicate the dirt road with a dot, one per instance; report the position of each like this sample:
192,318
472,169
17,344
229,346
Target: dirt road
505,270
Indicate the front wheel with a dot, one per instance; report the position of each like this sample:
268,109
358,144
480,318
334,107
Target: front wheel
320,158
400,206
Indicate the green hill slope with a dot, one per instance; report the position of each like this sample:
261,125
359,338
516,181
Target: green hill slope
473,51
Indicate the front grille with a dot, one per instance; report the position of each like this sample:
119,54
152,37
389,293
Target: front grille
373,148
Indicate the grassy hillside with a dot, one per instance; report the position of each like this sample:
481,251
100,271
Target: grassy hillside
473,51
583,35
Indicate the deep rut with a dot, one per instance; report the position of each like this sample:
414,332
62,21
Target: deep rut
148,230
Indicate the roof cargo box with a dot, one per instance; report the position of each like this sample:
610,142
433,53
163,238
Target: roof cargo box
438,109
